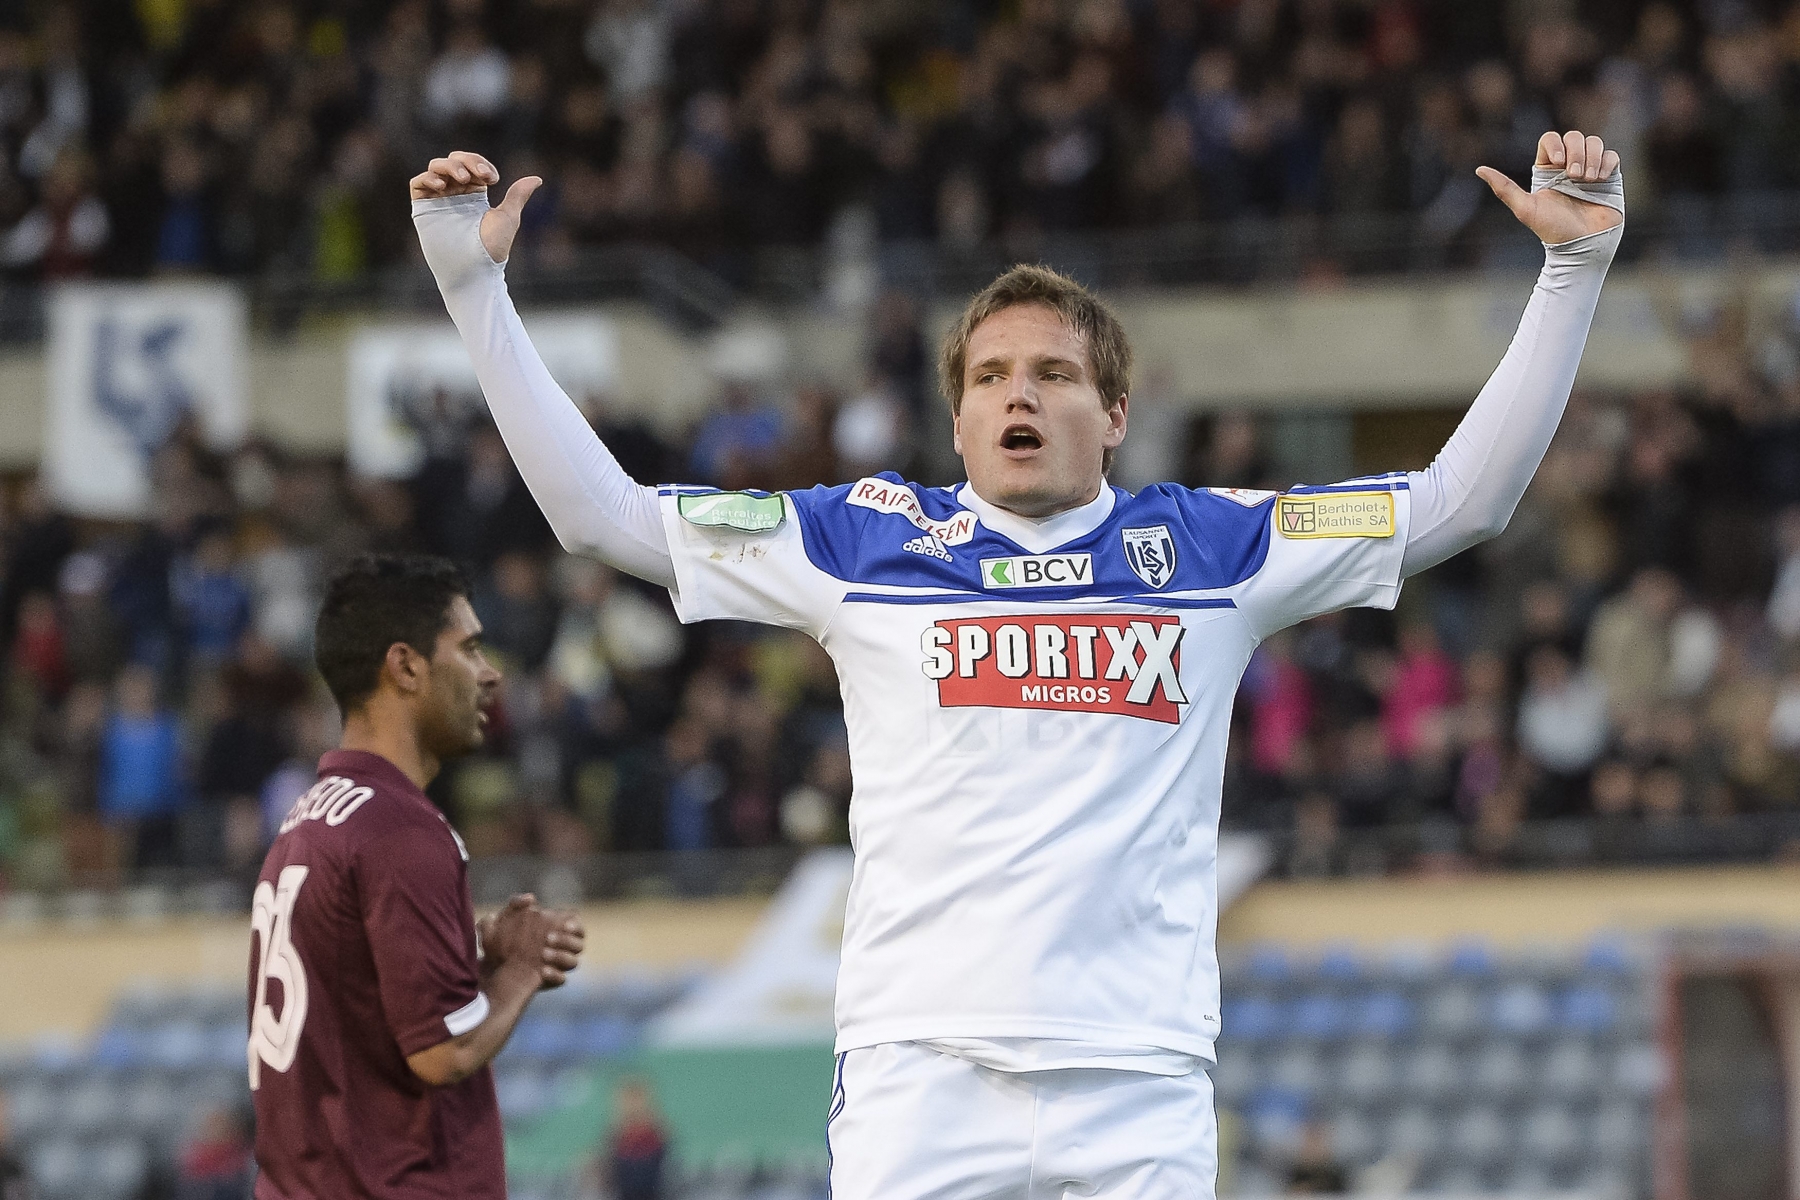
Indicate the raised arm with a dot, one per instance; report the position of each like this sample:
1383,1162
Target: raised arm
593,505
1576,206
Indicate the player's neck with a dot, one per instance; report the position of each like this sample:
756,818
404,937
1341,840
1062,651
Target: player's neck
397,740
1049,515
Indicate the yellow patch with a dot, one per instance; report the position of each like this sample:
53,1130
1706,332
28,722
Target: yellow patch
1336,515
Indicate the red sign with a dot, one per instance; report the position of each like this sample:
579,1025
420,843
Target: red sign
1081,662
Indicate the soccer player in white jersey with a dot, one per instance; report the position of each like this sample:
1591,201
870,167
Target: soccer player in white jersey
1037,671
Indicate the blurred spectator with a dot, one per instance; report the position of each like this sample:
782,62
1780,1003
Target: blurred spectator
1562,718
63,235
1424,684
1316,1171
740,437
213,602
250,139
1629,641
637,1144
15,1183
142,785
216,1163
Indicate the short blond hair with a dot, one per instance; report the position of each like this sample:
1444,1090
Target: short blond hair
1108,351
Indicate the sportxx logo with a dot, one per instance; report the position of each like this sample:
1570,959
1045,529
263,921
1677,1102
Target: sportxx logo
883,496
1037,570
1086,662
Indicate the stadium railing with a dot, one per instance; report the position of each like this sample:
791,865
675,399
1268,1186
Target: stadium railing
1250,250
1743,838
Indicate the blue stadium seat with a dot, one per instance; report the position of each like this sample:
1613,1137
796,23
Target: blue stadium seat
1499,1072
1586,1008
1551,1135
1367,1075
1637,1069
1433,1073
1472,959
546,1039
603,1037
1382,1014
1619,1133
1250,1018
1480,1137
1276,1119
1571,1070
120,1048
176,1044
93,1105
1268,963
1320,1016
32,1108
1354,1139
1522,1009
1339,964
1235,1076
1453,1011
1415,1132
1299,1071
523,1092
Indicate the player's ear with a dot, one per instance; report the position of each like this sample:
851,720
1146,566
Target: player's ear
1115,430
956,431
405,668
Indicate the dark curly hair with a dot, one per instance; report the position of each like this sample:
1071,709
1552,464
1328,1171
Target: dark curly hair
374,602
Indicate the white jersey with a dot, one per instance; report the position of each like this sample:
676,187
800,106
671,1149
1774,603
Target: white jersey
1037,739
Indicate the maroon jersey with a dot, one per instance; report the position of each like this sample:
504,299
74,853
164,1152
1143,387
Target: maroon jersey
362,952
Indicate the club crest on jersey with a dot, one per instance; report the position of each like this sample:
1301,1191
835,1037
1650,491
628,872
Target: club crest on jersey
1150,551
930,545
883,496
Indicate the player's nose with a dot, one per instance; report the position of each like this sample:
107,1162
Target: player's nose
1021,394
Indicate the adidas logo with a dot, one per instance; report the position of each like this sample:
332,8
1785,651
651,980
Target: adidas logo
930,544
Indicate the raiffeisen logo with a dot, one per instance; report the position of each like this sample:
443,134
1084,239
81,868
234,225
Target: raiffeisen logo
1085,662
883,496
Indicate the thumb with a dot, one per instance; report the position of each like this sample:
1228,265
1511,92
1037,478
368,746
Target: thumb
1510,193
519,193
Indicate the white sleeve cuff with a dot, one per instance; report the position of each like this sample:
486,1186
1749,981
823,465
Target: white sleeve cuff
468,1016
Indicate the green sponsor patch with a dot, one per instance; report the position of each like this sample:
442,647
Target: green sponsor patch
733,510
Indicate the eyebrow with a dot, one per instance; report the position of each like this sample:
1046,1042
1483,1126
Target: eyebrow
995,362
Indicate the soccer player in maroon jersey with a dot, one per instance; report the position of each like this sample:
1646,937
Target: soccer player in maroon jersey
376,1003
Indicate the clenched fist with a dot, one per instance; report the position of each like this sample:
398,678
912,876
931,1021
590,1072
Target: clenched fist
464,172
1555,216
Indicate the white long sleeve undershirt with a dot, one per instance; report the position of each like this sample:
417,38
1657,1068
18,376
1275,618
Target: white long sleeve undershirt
593,506
1466,496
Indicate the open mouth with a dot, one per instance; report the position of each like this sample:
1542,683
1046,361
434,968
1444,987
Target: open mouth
1020,437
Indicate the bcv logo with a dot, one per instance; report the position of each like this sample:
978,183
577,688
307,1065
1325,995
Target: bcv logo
1037,570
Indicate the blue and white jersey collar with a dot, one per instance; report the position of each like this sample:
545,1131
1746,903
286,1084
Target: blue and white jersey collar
1039,535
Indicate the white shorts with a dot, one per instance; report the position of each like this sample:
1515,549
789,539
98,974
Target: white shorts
911,1123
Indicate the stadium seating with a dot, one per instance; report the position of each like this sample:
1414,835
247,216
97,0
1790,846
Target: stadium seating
97,1124
1473,1073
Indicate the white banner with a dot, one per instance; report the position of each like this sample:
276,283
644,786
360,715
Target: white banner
403,379
127,364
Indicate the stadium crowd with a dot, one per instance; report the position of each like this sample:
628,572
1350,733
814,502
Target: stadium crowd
240,136
1625,652
1628,651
